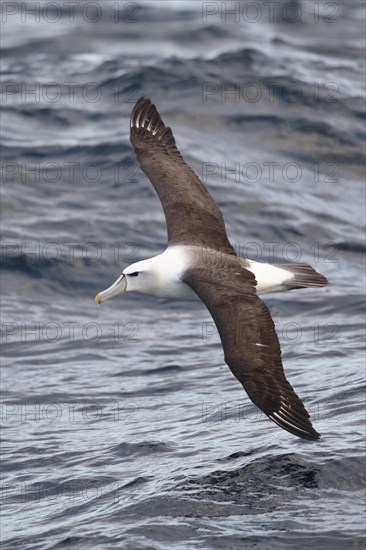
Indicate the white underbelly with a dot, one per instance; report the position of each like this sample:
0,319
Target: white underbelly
177,290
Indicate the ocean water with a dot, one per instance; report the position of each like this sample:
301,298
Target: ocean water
122,426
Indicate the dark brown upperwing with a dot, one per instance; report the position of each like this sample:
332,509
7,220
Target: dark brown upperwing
191,214
250,343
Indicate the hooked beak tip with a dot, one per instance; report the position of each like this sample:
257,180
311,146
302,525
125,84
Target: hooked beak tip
118,287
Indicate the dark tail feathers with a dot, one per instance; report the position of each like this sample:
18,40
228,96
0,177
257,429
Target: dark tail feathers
305,276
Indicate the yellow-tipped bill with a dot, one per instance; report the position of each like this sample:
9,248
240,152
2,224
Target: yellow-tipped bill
118,287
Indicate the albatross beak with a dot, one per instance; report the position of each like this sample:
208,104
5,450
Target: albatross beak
118,287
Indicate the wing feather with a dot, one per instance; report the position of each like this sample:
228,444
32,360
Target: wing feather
192,216
251,347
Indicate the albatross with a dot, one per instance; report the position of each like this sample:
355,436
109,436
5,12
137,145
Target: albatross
199,263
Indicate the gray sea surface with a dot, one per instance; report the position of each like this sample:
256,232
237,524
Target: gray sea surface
122,427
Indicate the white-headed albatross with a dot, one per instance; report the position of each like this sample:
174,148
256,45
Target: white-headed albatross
200,263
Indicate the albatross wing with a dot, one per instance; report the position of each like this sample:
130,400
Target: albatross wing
249,340
192,216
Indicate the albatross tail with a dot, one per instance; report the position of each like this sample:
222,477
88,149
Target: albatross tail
283,277
304,276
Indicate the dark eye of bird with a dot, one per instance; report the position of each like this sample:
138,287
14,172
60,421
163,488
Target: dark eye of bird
134,274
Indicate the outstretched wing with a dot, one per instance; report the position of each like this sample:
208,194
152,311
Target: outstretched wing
250,342
192,216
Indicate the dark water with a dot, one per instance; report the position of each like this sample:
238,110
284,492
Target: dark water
122,427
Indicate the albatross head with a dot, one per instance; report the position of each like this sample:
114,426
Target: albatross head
138,277
160,276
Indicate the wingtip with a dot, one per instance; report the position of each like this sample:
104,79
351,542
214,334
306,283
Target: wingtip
140,100
145,113
304,430
146,124
140,104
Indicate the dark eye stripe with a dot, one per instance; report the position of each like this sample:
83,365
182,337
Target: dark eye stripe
134,274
